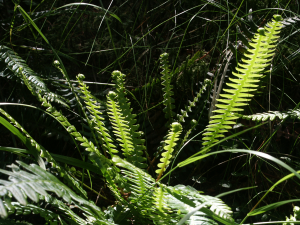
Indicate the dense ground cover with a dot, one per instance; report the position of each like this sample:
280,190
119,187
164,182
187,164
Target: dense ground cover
205,41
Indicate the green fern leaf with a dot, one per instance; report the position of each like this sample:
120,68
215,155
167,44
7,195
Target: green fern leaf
186,199
138,143
247,75
13,63
35,184
166,78
93,107
120,125
271,115
171,140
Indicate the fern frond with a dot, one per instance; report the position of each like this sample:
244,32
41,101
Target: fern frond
185,199
40,152
138,143
172,138
271,115
93,107
13,63
120,125
166,81
247,75
35,184
184,113
18,209
140,185
160,199
140,181
96,157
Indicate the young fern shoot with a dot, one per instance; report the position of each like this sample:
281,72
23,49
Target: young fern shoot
170,143
137,141
259,57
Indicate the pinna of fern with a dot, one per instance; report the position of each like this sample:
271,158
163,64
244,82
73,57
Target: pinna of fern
248,73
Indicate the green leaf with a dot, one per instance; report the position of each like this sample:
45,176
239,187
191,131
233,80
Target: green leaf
270,207
261,154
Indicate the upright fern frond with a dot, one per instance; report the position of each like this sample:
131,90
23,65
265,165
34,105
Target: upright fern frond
120,125
93,108
247,74
160,199
172,138
138,143
166,77
184,113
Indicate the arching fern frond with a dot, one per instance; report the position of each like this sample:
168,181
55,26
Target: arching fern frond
35,184
13,63
40,152
18,209
247,75
184,199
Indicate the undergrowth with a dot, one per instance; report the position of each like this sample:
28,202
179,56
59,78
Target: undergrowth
140,148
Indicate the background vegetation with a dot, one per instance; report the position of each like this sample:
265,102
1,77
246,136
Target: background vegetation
130,37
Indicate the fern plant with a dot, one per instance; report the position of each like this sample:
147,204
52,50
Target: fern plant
139,197
148,199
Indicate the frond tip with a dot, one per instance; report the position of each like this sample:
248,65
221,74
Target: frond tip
172,138
259,57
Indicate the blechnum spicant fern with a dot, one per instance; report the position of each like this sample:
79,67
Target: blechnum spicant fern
149,201
137,141
259,57
172,138
13,63
166,77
